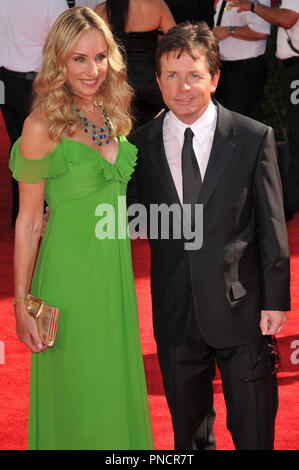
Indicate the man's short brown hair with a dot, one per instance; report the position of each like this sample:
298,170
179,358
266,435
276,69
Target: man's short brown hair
187,37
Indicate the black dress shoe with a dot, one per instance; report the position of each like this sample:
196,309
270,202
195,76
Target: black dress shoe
288,213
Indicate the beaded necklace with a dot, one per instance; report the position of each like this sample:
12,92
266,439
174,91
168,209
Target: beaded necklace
99,135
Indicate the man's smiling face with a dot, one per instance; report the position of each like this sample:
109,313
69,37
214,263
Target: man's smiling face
186,84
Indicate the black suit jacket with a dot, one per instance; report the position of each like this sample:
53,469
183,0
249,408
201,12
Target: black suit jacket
243,264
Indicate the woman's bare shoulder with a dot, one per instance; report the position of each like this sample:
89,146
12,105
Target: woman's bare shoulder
156,3
162,9
35,141
166,17
101,9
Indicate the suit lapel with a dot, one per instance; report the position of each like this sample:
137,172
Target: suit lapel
221,153
159,160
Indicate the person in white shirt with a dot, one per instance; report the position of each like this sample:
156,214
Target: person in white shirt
88,3
242,43
219,301
287,51
24,27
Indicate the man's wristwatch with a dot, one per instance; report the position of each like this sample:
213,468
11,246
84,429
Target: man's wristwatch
252,6
231,30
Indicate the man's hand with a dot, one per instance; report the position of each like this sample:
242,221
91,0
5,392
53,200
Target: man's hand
46,218
221,32
244,5
272,321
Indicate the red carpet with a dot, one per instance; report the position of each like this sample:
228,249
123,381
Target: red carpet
14,357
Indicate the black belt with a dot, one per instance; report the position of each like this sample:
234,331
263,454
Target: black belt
23,75
290,61
232,63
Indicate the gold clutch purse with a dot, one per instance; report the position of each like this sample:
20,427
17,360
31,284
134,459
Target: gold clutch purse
46,318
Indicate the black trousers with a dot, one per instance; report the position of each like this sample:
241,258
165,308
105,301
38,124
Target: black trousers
290,85
249,387
241,86
15,109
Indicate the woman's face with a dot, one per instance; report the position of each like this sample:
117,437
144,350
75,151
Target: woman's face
87,64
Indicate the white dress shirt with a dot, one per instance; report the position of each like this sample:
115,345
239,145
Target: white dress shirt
238,49
283,50
88,3
24,27
173,138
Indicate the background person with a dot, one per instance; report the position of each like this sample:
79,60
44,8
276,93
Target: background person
138,24
24,27
192,10
287,51
242,44
87,3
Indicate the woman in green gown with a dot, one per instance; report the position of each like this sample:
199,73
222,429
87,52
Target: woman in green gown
88,391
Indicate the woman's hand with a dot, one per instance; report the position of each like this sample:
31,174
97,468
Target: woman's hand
27,330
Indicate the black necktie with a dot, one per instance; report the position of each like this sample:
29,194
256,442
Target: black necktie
190,171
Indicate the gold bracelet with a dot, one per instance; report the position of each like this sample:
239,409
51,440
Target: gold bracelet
20,299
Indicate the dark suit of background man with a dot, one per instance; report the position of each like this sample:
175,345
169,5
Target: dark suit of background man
192,10
24,26
222,301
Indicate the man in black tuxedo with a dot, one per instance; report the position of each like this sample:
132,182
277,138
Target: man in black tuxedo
192,10
224,300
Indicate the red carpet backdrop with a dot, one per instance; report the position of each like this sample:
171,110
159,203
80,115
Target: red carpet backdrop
15,358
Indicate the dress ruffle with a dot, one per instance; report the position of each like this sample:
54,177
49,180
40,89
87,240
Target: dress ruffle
35,171
124,164
63,157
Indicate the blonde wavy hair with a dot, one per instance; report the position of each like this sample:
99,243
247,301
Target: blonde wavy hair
52,94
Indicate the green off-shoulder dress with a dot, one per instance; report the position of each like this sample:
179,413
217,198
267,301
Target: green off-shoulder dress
88,391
